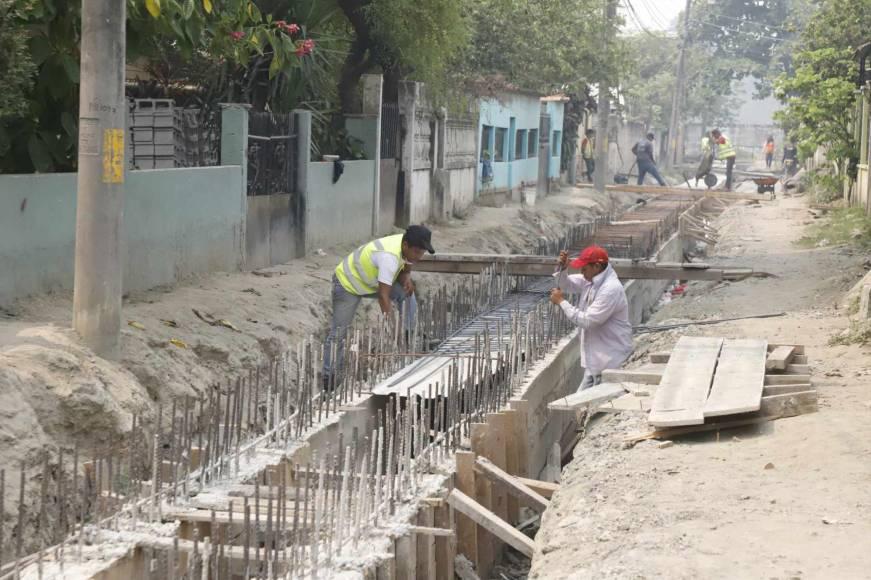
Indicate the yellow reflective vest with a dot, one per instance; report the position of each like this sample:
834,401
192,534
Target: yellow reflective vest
358,274
726,149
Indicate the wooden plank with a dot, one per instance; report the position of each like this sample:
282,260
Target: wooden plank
588,397
659,357
484,496
511,461
406,557
798,349
645,377
514,486
467,543
784,389
544,488
798,369
669,432
425,536
444,557
679,191
787,379
779,357
491,522
521,436
497,442
790,404
680,398
800,359
737,386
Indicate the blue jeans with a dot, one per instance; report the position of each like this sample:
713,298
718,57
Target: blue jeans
645,167
345,306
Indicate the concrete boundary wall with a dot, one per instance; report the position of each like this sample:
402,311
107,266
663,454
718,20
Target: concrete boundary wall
177,223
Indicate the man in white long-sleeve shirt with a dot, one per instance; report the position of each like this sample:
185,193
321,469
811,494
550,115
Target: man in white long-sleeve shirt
602,313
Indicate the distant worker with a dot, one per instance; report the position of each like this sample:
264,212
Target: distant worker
602,313
790,158
588,153
380,269
643,151
707,158
768,149
725,150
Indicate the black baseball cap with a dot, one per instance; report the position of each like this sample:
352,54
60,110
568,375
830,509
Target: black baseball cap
419,237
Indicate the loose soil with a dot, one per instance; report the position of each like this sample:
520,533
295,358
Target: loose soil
789,499
54,391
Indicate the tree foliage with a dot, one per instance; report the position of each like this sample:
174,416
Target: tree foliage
819,95
233,45
16,65
545,46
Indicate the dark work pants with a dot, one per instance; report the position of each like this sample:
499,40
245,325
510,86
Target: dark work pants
730,164
645,167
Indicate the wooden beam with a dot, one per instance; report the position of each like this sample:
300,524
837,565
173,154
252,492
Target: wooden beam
787,379
525,265
680,398
467,543
784,389
544,488
697,193
790,404
648,377
588,397
716,426
514,486
737,386
779,357
492,523
799,348
798,369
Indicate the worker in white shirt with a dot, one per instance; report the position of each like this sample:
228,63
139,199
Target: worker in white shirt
602,313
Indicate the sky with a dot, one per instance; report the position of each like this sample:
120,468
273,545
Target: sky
652,14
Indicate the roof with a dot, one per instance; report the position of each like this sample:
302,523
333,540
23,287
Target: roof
555,99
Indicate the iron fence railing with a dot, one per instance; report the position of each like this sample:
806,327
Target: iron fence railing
271,153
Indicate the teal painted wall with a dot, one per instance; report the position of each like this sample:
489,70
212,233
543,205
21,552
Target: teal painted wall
525,111
341,212
177,222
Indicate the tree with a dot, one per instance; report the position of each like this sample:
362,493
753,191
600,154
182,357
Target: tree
748,36
16,66
545,46
401,38
819,95
247,47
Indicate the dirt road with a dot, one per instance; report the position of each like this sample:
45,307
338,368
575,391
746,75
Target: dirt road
789,499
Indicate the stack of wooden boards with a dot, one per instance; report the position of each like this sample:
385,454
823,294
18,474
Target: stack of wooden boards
705,384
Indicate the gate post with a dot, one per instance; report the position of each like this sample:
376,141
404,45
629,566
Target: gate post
372,96
234,151
303,122
409,92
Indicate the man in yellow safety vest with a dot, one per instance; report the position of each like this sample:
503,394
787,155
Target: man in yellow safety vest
725,150
380,269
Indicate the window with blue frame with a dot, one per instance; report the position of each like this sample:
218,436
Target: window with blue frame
501,144
520,144
486,135
532,149
556,144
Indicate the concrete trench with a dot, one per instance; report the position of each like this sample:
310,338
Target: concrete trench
519,437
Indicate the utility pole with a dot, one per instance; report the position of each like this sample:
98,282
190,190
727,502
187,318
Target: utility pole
100,198
674,125
603,108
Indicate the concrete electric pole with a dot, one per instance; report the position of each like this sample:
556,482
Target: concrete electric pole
674,125
603,108
100,198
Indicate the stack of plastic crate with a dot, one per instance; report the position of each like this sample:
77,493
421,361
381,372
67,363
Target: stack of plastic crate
152,134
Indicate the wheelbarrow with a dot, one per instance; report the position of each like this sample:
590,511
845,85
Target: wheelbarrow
765,184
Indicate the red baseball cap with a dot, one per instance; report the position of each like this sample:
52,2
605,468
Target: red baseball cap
590,255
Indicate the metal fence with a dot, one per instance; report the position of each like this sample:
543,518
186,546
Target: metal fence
271,153
390,131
